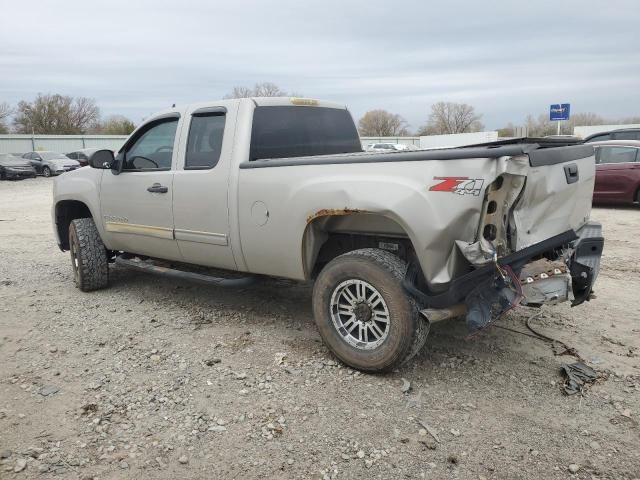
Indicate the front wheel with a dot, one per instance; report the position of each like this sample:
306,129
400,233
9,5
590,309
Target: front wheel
46,171
88,255
364,315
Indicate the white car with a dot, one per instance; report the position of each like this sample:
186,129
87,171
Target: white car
387,147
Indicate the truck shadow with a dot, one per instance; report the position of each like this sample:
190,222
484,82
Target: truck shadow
286,306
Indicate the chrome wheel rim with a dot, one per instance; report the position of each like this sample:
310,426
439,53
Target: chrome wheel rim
46,172
360,314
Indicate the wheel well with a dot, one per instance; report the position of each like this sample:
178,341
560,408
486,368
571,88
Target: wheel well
66,211
329,236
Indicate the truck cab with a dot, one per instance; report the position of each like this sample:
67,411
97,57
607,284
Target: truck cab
393,241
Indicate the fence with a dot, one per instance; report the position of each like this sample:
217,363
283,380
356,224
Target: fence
401,140
58,143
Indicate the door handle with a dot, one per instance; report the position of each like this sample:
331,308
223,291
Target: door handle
157,188
571,173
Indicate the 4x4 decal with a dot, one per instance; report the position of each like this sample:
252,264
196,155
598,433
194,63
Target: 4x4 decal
459,185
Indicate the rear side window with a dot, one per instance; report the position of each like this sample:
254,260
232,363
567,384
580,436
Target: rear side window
599,138
300,131
616,154
634,135
205,141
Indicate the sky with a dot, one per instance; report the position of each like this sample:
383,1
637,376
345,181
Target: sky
506,58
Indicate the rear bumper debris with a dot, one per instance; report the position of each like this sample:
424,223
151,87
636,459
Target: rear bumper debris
561,268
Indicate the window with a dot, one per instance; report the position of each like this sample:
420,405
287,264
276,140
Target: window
153,147
616,154
298,131
630,135
599,138
28,156
205,141
72,156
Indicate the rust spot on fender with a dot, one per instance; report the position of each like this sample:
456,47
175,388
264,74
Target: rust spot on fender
328,212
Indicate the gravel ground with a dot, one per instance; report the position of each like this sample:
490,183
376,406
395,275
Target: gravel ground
156,378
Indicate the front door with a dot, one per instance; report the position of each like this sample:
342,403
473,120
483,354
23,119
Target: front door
137,203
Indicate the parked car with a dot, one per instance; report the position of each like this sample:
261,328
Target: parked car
617,172
50,163
12,167
281,187
83,155
387,147
620,134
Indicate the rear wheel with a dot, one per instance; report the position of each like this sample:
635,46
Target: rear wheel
3,174
363,314
46,171
88,255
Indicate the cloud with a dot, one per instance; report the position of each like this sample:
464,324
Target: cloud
507,58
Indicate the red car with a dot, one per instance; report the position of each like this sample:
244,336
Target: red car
617,172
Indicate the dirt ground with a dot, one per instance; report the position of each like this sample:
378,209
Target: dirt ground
156,378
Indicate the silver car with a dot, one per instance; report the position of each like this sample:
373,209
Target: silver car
51,163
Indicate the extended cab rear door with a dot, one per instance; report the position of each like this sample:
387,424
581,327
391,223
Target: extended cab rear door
136,203
201,185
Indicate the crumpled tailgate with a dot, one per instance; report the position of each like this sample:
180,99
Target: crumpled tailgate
557,194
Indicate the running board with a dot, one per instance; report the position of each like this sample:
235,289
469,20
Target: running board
143,266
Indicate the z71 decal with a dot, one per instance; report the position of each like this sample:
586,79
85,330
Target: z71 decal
459,185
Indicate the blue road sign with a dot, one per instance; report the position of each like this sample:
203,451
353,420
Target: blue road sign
559,112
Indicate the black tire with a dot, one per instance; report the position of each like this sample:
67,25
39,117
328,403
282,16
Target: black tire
383,271
46,171
88,255
3,174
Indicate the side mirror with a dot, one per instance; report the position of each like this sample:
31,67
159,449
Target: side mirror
102,159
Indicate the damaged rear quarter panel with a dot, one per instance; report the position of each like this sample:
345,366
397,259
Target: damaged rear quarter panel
297,195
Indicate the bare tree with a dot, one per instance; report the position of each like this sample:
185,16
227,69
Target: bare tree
5,113
585,119
629,120
380,123
56,114
542,126
449,117
115,125
264,89
240,92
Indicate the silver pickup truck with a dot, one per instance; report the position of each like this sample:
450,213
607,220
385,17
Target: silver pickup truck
393,241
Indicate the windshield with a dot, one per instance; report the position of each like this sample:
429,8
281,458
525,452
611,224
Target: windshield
52,156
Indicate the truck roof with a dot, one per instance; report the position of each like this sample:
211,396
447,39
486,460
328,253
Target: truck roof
258,101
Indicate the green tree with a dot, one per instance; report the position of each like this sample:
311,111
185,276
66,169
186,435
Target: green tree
56,114
5,113
116,125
